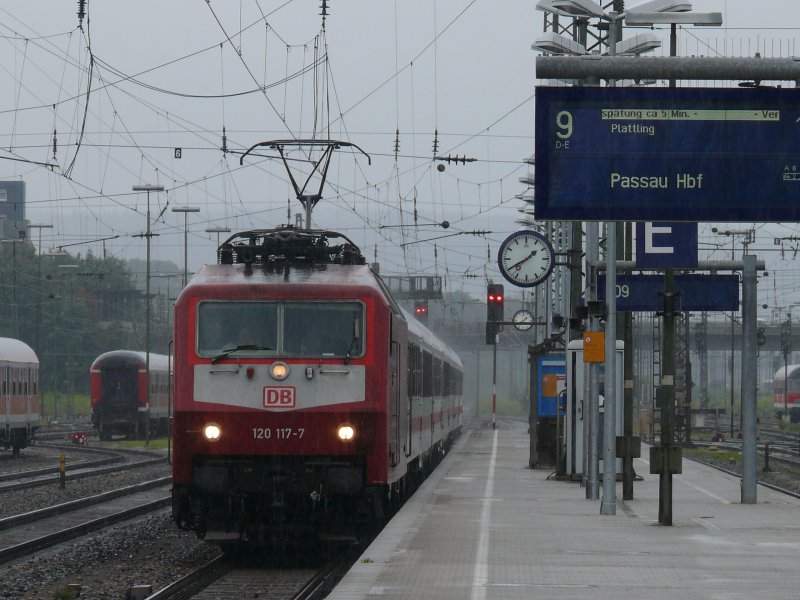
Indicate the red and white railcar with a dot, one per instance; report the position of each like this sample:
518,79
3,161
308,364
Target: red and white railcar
787,392
307,402
120,404
19,394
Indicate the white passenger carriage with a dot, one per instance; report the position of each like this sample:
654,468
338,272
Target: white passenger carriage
19,394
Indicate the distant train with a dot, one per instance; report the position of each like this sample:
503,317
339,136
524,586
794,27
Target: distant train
19,394
787,401
118,382
308,404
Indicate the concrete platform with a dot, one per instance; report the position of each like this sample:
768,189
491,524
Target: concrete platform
484,526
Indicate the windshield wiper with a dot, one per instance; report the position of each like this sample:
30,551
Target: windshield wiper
354,343
227,351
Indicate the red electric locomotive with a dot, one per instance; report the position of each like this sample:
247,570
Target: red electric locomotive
308,404
118,381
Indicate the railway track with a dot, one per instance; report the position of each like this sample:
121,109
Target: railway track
224,578
112,461
32,532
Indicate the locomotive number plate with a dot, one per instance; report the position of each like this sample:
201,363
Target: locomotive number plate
278,433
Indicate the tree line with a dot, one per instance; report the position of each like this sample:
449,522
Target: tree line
72,308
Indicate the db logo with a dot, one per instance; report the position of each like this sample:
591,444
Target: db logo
279,397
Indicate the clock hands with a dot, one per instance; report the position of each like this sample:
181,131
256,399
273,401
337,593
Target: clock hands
518,265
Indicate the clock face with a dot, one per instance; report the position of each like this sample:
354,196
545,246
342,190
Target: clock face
523,320
526,258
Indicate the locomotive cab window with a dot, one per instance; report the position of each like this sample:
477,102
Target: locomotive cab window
302,329
237,327
322,329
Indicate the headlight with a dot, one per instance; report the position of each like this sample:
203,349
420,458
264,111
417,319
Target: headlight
346,433
212,432
279,371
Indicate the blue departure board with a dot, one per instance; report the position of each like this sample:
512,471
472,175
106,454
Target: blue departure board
667,154
695,292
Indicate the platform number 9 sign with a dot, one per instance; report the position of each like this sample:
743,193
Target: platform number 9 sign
564,128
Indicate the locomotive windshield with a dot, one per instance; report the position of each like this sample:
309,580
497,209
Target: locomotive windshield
267,328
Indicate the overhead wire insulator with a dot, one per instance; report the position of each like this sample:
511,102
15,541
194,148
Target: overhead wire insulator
455,159
396,143
324,8
55,144
81,13
435,142
224,141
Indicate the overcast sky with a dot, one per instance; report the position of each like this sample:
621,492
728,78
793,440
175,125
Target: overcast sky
165,75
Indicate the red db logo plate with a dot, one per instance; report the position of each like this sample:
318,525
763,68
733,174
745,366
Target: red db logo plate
279,397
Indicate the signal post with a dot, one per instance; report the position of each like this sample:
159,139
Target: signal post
495,300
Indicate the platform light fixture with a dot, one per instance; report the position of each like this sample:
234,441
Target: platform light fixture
580,8
662,6
558,44
635,17
547,6
638,44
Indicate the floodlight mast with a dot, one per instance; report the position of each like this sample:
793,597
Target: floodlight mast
309,201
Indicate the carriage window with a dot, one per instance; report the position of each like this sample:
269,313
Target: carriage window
225,326
331,329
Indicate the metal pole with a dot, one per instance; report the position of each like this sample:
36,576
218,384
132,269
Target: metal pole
147,332
494,380
592,400
608,506
749,316
667,67
147,188
185,248
733,334
186,210
609,502
667,403
628,413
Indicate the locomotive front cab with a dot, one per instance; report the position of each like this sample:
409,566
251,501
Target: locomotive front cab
277,427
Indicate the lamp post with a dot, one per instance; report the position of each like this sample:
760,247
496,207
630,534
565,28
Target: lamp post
147,188
185,210
218,230
39,226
